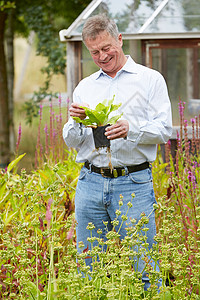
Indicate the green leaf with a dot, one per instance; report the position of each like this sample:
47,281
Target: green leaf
34,291
101,107
105,101
114,119
8,217
92,115
166,296
2,190
15,162
114,107
110,102
85,122
100,115
78,120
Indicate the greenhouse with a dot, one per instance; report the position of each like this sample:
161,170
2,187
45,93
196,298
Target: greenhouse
161,34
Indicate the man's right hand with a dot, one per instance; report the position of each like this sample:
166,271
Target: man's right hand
76,111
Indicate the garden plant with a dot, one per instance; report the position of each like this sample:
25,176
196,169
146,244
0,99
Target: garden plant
98,119
38,256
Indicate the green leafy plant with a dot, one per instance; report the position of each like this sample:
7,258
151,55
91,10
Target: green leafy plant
100,115
38,255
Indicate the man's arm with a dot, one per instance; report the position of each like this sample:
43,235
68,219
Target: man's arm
149,119
157,129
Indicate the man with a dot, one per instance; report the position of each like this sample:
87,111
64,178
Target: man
146,122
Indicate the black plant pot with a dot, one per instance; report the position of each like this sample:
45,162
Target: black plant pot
100,140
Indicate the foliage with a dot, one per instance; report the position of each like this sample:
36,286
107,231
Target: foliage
38,256
6,5
100,115
43,18
37,244
27,205
46,18
177,187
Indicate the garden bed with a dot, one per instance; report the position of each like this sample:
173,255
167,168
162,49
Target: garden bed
38,256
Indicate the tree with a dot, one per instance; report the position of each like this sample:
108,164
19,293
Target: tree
4,96
46,18
4,121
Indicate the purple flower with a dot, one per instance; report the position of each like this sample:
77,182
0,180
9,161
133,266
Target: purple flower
40,111
46,129
59,99
54,133
190,176
181,108
57,118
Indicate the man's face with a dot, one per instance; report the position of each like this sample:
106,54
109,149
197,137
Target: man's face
107,52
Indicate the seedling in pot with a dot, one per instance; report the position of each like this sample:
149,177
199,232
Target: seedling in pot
98,119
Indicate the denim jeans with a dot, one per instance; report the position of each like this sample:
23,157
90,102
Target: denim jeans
97,199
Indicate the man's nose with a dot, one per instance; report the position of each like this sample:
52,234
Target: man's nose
102,55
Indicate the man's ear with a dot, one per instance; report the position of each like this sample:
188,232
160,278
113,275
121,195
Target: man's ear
120,39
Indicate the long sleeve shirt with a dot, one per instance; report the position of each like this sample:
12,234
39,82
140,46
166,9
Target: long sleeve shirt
145,105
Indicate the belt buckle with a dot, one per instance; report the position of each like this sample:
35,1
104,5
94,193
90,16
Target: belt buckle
115,173
123,172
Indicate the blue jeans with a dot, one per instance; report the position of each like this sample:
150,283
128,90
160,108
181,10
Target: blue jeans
97,199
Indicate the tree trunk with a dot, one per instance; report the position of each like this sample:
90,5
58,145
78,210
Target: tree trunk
4,110
10,75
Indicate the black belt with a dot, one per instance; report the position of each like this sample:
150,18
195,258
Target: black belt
116,172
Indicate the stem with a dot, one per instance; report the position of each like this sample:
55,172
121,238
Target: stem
123,221
51,265
36,249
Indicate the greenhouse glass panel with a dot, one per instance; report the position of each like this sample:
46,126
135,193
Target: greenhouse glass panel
145,16
178,67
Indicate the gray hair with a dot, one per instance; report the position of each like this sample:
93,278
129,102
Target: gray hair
98,23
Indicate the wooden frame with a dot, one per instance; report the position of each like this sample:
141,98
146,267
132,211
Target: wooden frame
74,66
194,44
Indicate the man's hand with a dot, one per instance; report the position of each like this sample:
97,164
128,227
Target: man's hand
118,130
76,111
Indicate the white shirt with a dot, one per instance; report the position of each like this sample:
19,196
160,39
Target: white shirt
145,105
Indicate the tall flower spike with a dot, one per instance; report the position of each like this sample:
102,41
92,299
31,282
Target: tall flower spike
193,136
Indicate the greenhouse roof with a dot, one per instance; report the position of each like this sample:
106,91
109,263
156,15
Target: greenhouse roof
161,18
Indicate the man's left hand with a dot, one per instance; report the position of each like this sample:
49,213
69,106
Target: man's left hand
118,130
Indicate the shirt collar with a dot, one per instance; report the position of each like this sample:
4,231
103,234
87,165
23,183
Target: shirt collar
130,67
